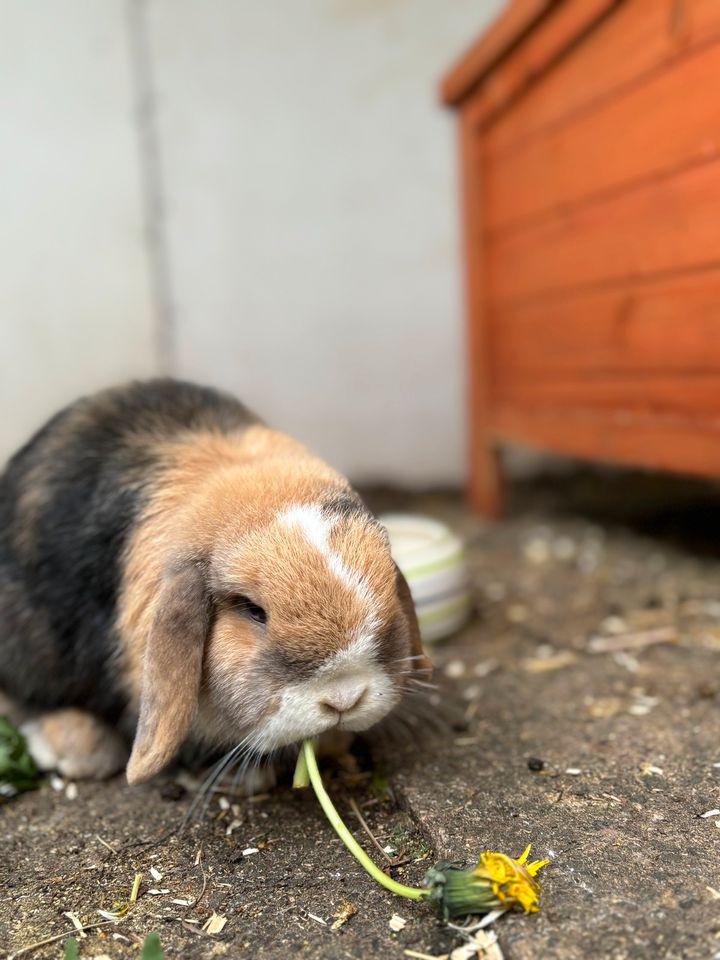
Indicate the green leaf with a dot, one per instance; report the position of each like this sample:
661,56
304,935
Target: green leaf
71,949
17,768
151,949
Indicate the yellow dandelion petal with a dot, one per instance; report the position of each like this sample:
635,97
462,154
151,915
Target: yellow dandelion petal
524,855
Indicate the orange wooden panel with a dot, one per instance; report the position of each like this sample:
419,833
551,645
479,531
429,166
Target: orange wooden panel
655,327
695,396
667,225
506,31
659,125
668,444
638,37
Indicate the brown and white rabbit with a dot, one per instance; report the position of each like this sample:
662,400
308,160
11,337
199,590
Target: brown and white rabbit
173,570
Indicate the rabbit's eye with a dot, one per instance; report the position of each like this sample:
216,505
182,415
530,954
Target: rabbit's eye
252,611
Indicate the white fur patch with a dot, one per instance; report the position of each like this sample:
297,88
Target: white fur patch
42,752
301,712
317,528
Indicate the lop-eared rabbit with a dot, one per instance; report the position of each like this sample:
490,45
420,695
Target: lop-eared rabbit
174,571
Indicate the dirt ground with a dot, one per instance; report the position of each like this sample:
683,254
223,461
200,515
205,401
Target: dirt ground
584,706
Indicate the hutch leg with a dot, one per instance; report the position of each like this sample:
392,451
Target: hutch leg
487,487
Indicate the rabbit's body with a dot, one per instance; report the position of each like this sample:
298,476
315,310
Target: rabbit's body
167,557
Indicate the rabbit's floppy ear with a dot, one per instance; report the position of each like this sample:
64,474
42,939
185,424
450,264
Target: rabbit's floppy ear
421,662
171,671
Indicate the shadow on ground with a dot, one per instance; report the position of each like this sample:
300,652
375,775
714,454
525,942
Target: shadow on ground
586,704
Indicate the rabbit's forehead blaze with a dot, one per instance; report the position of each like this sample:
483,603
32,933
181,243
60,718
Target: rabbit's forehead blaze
331,578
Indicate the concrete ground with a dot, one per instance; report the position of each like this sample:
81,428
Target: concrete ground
583,704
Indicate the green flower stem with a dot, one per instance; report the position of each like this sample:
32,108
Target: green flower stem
307,767
301,777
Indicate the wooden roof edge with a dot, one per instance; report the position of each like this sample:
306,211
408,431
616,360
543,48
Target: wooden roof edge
505,32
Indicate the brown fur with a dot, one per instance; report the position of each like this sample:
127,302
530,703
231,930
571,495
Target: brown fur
215,506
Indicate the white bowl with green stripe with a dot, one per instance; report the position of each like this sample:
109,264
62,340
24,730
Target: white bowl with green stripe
432,559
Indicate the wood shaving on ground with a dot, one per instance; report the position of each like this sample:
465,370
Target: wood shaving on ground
396,923
425,956
155,874
483,945
545,664
215,923
649,770
643,705
345,910
317,919
632,641
604,707
75,921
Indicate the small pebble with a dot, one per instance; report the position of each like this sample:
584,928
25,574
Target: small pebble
536,764
484,668
573,771
249,851
537,551
455,669
517,613
397,923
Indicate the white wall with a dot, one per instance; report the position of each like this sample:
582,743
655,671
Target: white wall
302,182
75,302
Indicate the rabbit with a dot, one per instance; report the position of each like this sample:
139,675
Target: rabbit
173,571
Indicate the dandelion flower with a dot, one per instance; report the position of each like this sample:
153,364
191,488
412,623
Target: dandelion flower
497,882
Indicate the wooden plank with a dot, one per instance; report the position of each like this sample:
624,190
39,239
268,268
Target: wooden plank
677,445
485,481
518,17
654,128
660,326
695,396
541,48
639,37
668,225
